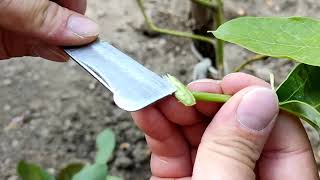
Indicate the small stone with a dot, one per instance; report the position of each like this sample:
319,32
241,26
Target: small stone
241,12
141,153
7,82
92,86
123,162
7,107
15,143
124,146
13,178
51,170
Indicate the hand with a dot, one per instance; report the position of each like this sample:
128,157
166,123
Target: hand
38,27
245,139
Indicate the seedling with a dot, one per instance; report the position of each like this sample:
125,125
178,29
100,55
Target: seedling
105,143
294,38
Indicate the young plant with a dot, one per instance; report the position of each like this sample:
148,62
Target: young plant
294,38
105,143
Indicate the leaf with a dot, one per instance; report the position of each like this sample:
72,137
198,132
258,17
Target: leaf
69,171
299,94
28,171
183,94
105,142
296,38
113,178
92,172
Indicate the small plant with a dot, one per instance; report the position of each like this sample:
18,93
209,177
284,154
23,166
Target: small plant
294,38
105,143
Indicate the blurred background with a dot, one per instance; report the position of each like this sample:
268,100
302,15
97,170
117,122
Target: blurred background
58,109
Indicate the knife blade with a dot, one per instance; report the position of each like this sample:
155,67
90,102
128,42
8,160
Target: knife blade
133,86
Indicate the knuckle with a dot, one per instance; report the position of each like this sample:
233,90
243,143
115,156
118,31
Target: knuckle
236,148
4,4
46,17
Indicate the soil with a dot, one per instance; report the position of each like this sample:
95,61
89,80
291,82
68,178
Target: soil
62,108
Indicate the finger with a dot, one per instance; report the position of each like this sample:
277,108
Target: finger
234,82
206,85
194,133
288,153
236,136
178,113
79,6
22,46
49,52
47,21
170,151
157,178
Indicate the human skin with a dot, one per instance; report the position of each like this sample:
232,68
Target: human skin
208,141
215,141
40,27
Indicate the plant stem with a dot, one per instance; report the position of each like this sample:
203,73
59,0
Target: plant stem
210,97
250,60
153,27
206,3
219,18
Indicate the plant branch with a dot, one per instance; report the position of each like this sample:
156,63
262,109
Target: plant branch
153,27
210,97
219,18
206,3
251,60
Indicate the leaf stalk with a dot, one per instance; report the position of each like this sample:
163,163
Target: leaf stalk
154,28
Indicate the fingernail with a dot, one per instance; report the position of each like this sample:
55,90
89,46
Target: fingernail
205,81
82,26
258,108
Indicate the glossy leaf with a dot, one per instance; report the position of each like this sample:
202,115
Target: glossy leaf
183,94
28,171
299,94
113,178
69,171
92,172
105,142
295,38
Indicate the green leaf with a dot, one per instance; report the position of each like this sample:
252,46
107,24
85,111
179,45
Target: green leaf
113,178
105,142
299,94
69,171
92,172
295,38
28,171
183,94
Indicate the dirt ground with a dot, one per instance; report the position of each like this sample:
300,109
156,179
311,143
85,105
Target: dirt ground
63,108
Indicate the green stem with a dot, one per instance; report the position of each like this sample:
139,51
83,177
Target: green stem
206,3
153,27
210,97
249,61
219,18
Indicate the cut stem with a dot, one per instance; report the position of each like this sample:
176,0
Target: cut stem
154,28
210,97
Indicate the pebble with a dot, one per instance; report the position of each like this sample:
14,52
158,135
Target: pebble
92,86
7,82
7,107
13,178
123,162
124,146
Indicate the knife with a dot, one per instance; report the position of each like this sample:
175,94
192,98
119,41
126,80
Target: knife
133,86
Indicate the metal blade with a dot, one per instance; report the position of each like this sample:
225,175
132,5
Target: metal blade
133,86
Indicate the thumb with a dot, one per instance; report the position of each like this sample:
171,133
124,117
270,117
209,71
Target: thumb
233,141
46,20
